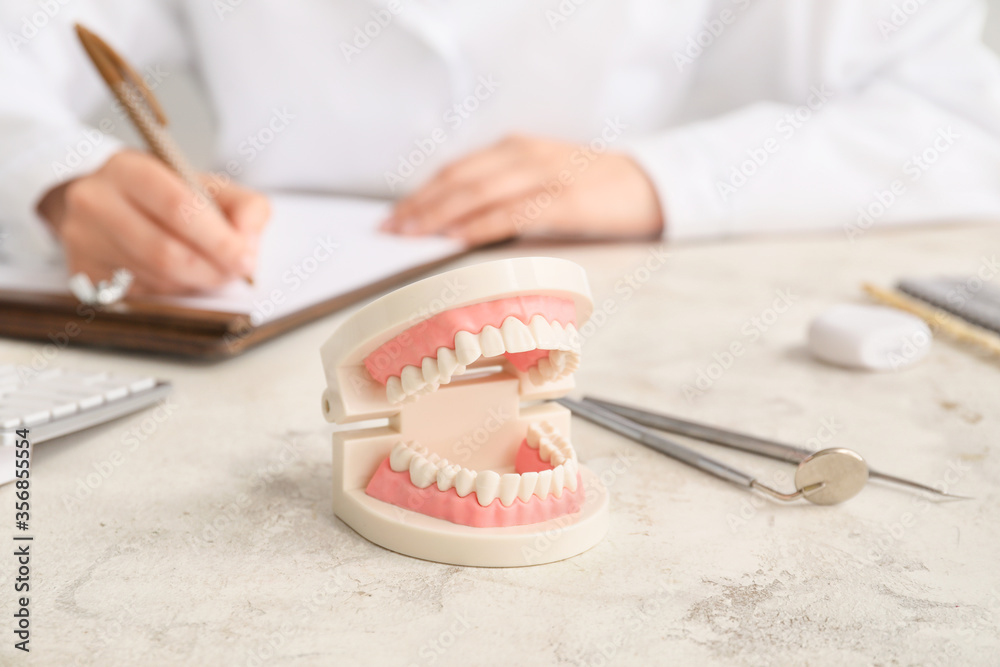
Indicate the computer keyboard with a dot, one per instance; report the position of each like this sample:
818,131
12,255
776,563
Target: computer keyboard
57,401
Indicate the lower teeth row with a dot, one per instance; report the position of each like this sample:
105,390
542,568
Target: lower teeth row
428,468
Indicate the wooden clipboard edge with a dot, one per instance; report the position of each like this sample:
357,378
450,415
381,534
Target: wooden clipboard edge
148,326
131,310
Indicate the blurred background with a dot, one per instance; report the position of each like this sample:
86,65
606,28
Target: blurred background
192,123
992,35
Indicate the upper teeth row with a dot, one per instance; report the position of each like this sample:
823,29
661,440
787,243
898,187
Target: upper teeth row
512,336
552,447
428,468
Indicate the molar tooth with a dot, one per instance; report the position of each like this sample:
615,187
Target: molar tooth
552,433
571,470
545,448
433,458
423,473
394,390
541,331
558,360
564,448
467,347
527,485
572,361
487,487
429,368
491,342
535,376
465,482
428,474
534,433
545,368
558,480
446,477
399,458
416,460
569,452
509,484
516,336
543,484
562,451
412,379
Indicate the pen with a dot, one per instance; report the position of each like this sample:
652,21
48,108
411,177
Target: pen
144,110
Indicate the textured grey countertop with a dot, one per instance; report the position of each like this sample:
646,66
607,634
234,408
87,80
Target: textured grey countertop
202,533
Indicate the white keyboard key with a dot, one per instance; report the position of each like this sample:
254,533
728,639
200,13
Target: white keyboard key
80,378
83,396
90,402
44,394
109,389
36,417
114,393
55,389
62,409
142,384
55,402
22,401
9,419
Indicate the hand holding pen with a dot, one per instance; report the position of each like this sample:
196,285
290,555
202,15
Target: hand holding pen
153,215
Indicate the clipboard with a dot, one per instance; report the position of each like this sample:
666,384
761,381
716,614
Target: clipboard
37,306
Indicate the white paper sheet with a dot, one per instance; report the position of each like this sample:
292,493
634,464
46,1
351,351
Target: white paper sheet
314,249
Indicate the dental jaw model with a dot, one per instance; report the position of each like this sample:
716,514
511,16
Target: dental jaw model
463,472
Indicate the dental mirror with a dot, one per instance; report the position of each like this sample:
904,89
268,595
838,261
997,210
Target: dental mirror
769,448
842,472
828,477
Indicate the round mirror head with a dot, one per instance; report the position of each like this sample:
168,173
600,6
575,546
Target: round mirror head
842,472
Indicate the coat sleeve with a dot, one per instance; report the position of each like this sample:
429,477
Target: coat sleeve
50,88
847,115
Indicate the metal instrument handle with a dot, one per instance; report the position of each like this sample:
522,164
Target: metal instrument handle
626,427
746,443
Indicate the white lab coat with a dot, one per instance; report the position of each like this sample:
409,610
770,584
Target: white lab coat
748,115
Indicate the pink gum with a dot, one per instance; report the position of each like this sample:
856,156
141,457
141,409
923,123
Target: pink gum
396,488
424,338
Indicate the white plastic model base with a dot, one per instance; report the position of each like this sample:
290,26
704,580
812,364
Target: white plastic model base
472,466
869,337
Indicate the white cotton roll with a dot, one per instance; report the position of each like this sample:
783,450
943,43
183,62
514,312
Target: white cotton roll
869,337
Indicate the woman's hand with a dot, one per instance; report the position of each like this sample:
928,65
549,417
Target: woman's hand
135,213
524,185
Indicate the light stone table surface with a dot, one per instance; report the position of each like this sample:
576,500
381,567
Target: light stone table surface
203,534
